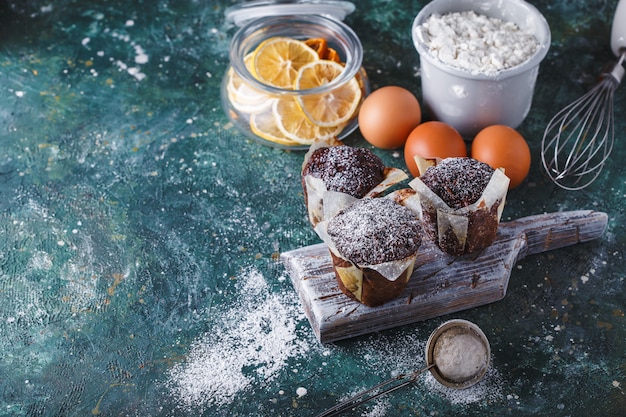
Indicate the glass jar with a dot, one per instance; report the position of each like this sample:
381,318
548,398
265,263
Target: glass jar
276,116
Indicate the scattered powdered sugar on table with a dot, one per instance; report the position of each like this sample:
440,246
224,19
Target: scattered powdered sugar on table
487,390
476,43
378,410
251,342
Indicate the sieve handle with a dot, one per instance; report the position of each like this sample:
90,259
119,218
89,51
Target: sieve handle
618,32
384,387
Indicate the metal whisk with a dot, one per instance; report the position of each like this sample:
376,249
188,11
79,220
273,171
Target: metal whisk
578,140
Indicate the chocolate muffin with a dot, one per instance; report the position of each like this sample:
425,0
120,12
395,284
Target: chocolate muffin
462,201
341,174
373,244
353,171
458,181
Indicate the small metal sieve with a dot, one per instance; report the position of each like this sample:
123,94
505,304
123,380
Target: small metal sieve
460,352
457,355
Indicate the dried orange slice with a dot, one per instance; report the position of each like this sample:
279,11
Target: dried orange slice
332,108
278,59
320,45
295,125
332,55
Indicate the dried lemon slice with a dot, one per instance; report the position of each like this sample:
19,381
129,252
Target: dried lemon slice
332,108
264,126
244,97
295,125
278,59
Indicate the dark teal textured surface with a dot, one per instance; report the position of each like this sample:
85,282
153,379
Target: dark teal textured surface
139,232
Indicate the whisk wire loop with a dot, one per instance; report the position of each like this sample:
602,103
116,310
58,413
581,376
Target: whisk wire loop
578,140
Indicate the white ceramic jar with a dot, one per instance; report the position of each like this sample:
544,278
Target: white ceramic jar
471,101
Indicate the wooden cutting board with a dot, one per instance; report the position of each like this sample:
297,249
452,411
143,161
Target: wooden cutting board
441,284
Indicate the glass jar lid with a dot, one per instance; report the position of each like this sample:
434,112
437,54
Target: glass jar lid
244,12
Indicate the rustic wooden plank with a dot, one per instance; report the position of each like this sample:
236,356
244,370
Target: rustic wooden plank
441,284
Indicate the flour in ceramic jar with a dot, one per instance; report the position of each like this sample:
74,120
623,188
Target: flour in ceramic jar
476,43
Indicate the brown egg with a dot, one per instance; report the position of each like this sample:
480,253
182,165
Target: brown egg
432,139
503,147
388,115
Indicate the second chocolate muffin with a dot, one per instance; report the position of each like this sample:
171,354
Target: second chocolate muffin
462,201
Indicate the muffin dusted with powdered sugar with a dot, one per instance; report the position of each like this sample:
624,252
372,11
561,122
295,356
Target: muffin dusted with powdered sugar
334,175
462,201
458,181
373,244
376,231
344,169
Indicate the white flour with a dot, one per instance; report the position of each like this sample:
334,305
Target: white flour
476,43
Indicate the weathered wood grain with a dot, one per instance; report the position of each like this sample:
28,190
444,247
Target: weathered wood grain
441,284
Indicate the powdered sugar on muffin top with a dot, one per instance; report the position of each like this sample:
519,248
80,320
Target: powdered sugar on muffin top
458,181
375,230
353,171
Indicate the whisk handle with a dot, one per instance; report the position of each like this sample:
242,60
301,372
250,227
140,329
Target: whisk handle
618,32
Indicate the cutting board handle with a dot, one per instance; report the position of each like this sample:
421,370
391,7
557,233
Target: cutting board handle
544,232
